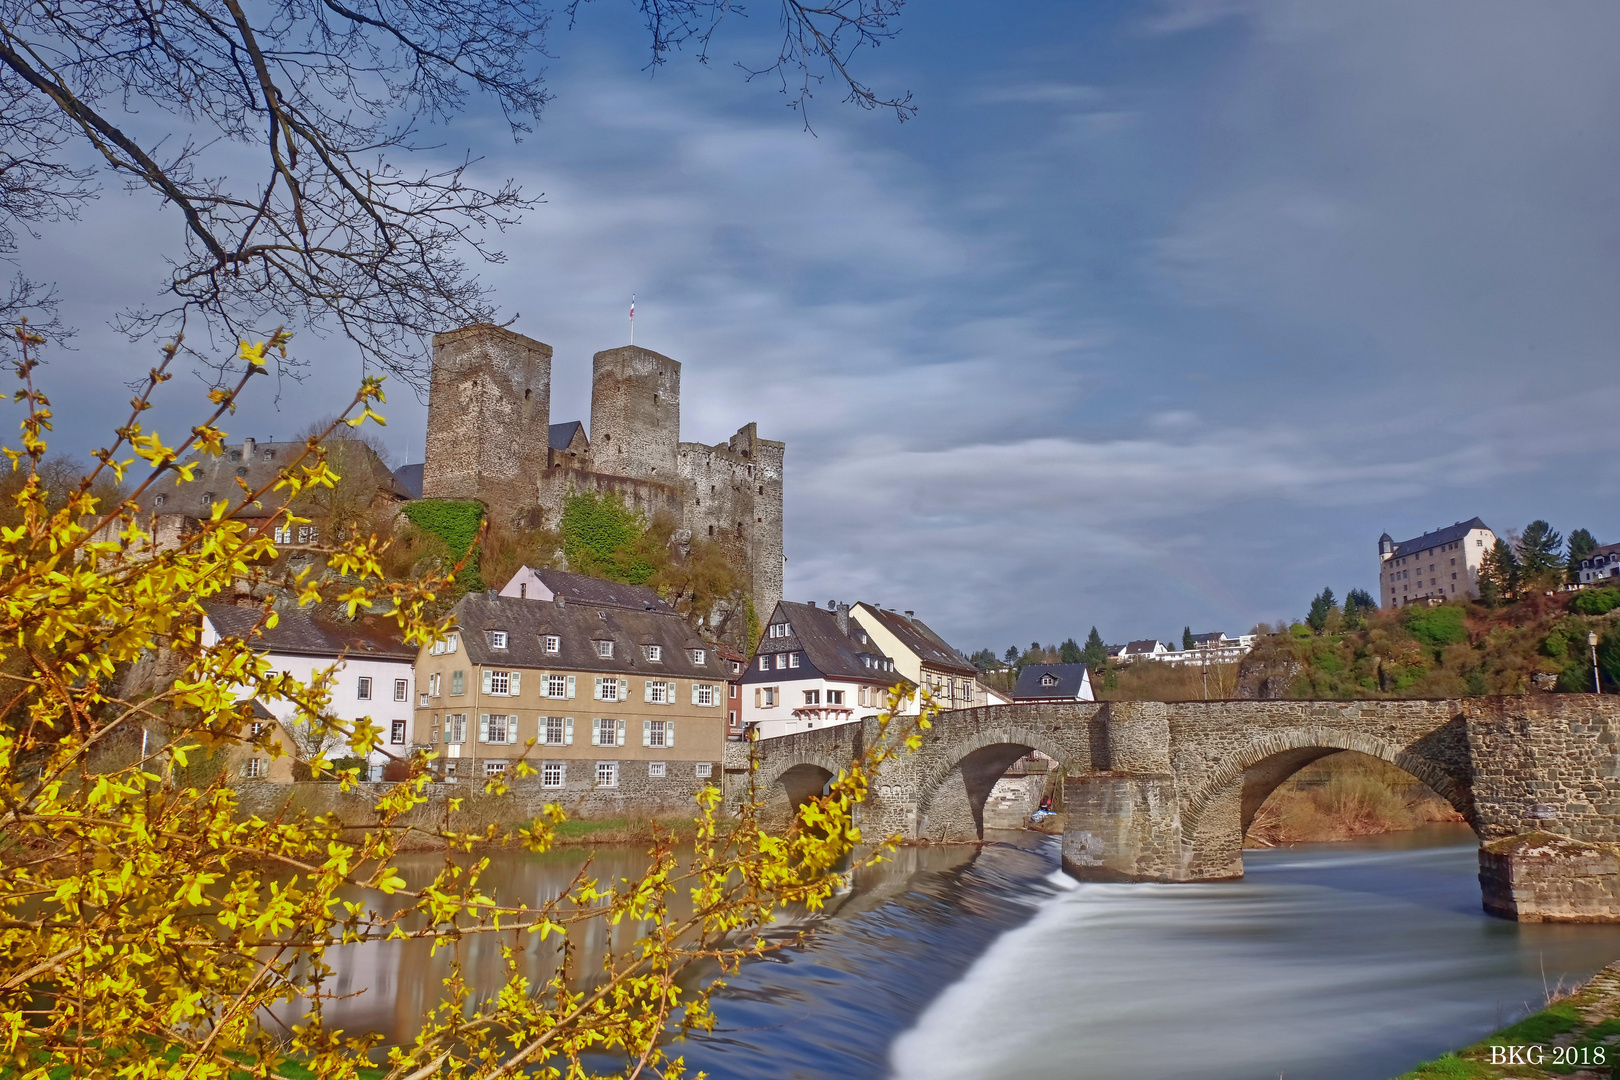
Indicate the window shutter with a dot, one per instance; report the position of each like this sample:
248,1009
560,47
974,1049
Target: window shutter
694,693
516,684
620,725
568,731
669,692
624,689
669,733
570,686
646,690
488,676
483,726
756,697
599,688
646,733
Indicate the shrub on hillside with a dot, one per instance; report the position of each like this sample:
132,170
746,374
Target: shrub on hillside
1436,627
1595,601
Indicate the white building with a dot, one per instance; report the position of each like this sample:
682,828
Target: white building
1602,566
1439,565
814,668
373,680
1214,648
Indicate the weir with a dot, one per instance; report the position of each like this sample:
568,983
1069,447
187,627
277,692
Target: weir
1164,791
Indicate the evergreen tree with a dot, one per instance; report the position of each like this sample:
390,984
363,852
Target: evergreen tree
984,660
1186,637
1069,652
1095,654
1581,544
1357,603
1011,655
1541,559
1321,606
1498,574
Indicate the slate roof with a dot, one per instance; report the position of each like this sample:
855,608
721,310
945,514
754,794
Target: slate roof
299,633
614,594
1601,551
1139,648
216,477
410,478
580,626
1070,678
1439,536
558,436
830,651
926,645
1208,639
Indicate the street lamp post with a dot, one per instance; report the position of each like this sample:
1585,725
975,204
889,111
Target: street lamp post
1591,640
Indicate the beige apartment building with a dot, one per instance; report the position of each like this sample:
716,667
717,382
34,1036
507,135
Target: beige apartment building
922,656
1437,566
615,689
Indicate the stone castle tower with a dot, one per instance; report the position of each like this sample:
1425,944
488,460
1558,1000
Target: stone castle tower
490,438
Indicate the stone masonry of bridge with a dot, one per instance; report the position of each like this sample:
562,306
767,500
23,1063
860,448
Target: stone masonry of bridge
1164,791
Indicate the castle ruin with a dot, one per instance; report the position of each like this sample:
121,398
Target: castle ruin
490,438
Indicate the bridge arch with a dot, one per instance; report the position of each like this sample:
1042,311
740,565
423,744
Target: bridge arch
786,783
1288,751
980,758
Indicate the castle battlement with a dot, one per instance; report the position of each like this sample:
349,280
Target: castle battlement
490,438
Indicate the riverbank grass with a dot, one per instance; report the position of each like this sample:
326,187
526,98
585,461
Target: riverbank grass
1573,1037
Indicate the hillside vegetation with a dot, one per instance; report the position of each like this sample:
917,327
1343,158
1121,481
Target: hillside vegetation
1453,650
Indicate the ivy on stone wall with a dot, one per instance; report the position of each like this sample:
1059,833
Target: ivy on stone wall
453,521
604,538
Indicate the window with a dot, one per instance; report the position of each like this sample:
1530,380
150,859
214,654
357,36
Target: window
553,773
497,729
780,629
781,661
654,653
704,770
656,769
793,659
159,500
553,644
253,768
364,693
523,591
455,727
497,639
703,694
434,684
402,690
208,498
556,731
765,696
604,649
656,733
764,663
735,690
498,682
556,686
1049,680
306,534
699,656
494,768
607,774
607,689
607,732
657,692
255,728
812,697
396,733
835,697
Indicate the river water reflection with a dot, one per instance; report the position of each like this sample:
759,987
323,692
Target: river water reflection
1333,962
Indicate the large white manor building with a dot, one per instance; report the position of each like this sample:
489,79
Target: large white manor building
1439,565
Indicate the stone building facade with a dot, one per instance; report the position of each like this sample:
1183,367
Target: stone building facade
490,438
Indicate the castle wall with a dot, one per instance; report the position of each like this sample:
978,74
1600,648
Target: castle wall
734,497
489,405
553,488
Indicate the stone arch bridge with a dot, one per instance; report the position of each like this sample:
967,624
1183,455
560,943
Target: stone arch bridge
1164,791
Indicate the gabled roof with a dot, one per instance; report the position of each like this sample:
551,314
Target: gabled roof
601,593
1605,549
559,436
921,641
832,652
1206,639
1146,645
1440,536
578,626
299,633
1069,679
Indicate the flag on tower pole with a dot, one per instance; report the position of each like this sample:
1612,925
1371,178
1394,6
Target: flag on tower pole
632,318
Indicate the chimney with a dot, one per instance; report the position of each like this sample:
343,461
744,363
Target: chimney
911,614
491,594
247,450
560,600
812,603
843,618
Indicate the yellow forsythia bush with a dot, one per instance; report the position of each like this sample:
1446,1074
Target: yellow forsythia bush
148,927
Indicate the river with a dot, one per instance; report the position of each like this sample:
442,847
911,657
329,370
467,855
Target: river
1348,961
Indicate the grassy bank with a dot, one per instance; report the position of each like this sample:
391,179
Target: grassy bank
1344,796
621,830
1574,1036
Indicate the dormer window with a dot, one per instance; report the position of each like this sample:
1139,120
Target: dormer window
552,644
497,639
158,500
269,455
699,656
1049,680
236,455
780,629
604,649
654,653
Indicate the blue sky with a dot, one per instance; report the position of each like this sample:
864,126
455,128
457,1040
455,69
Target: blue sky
1156,315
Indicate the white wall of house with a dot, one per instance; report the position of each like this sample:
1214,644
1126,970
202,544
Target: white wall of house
1450,570
386,706
793,713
